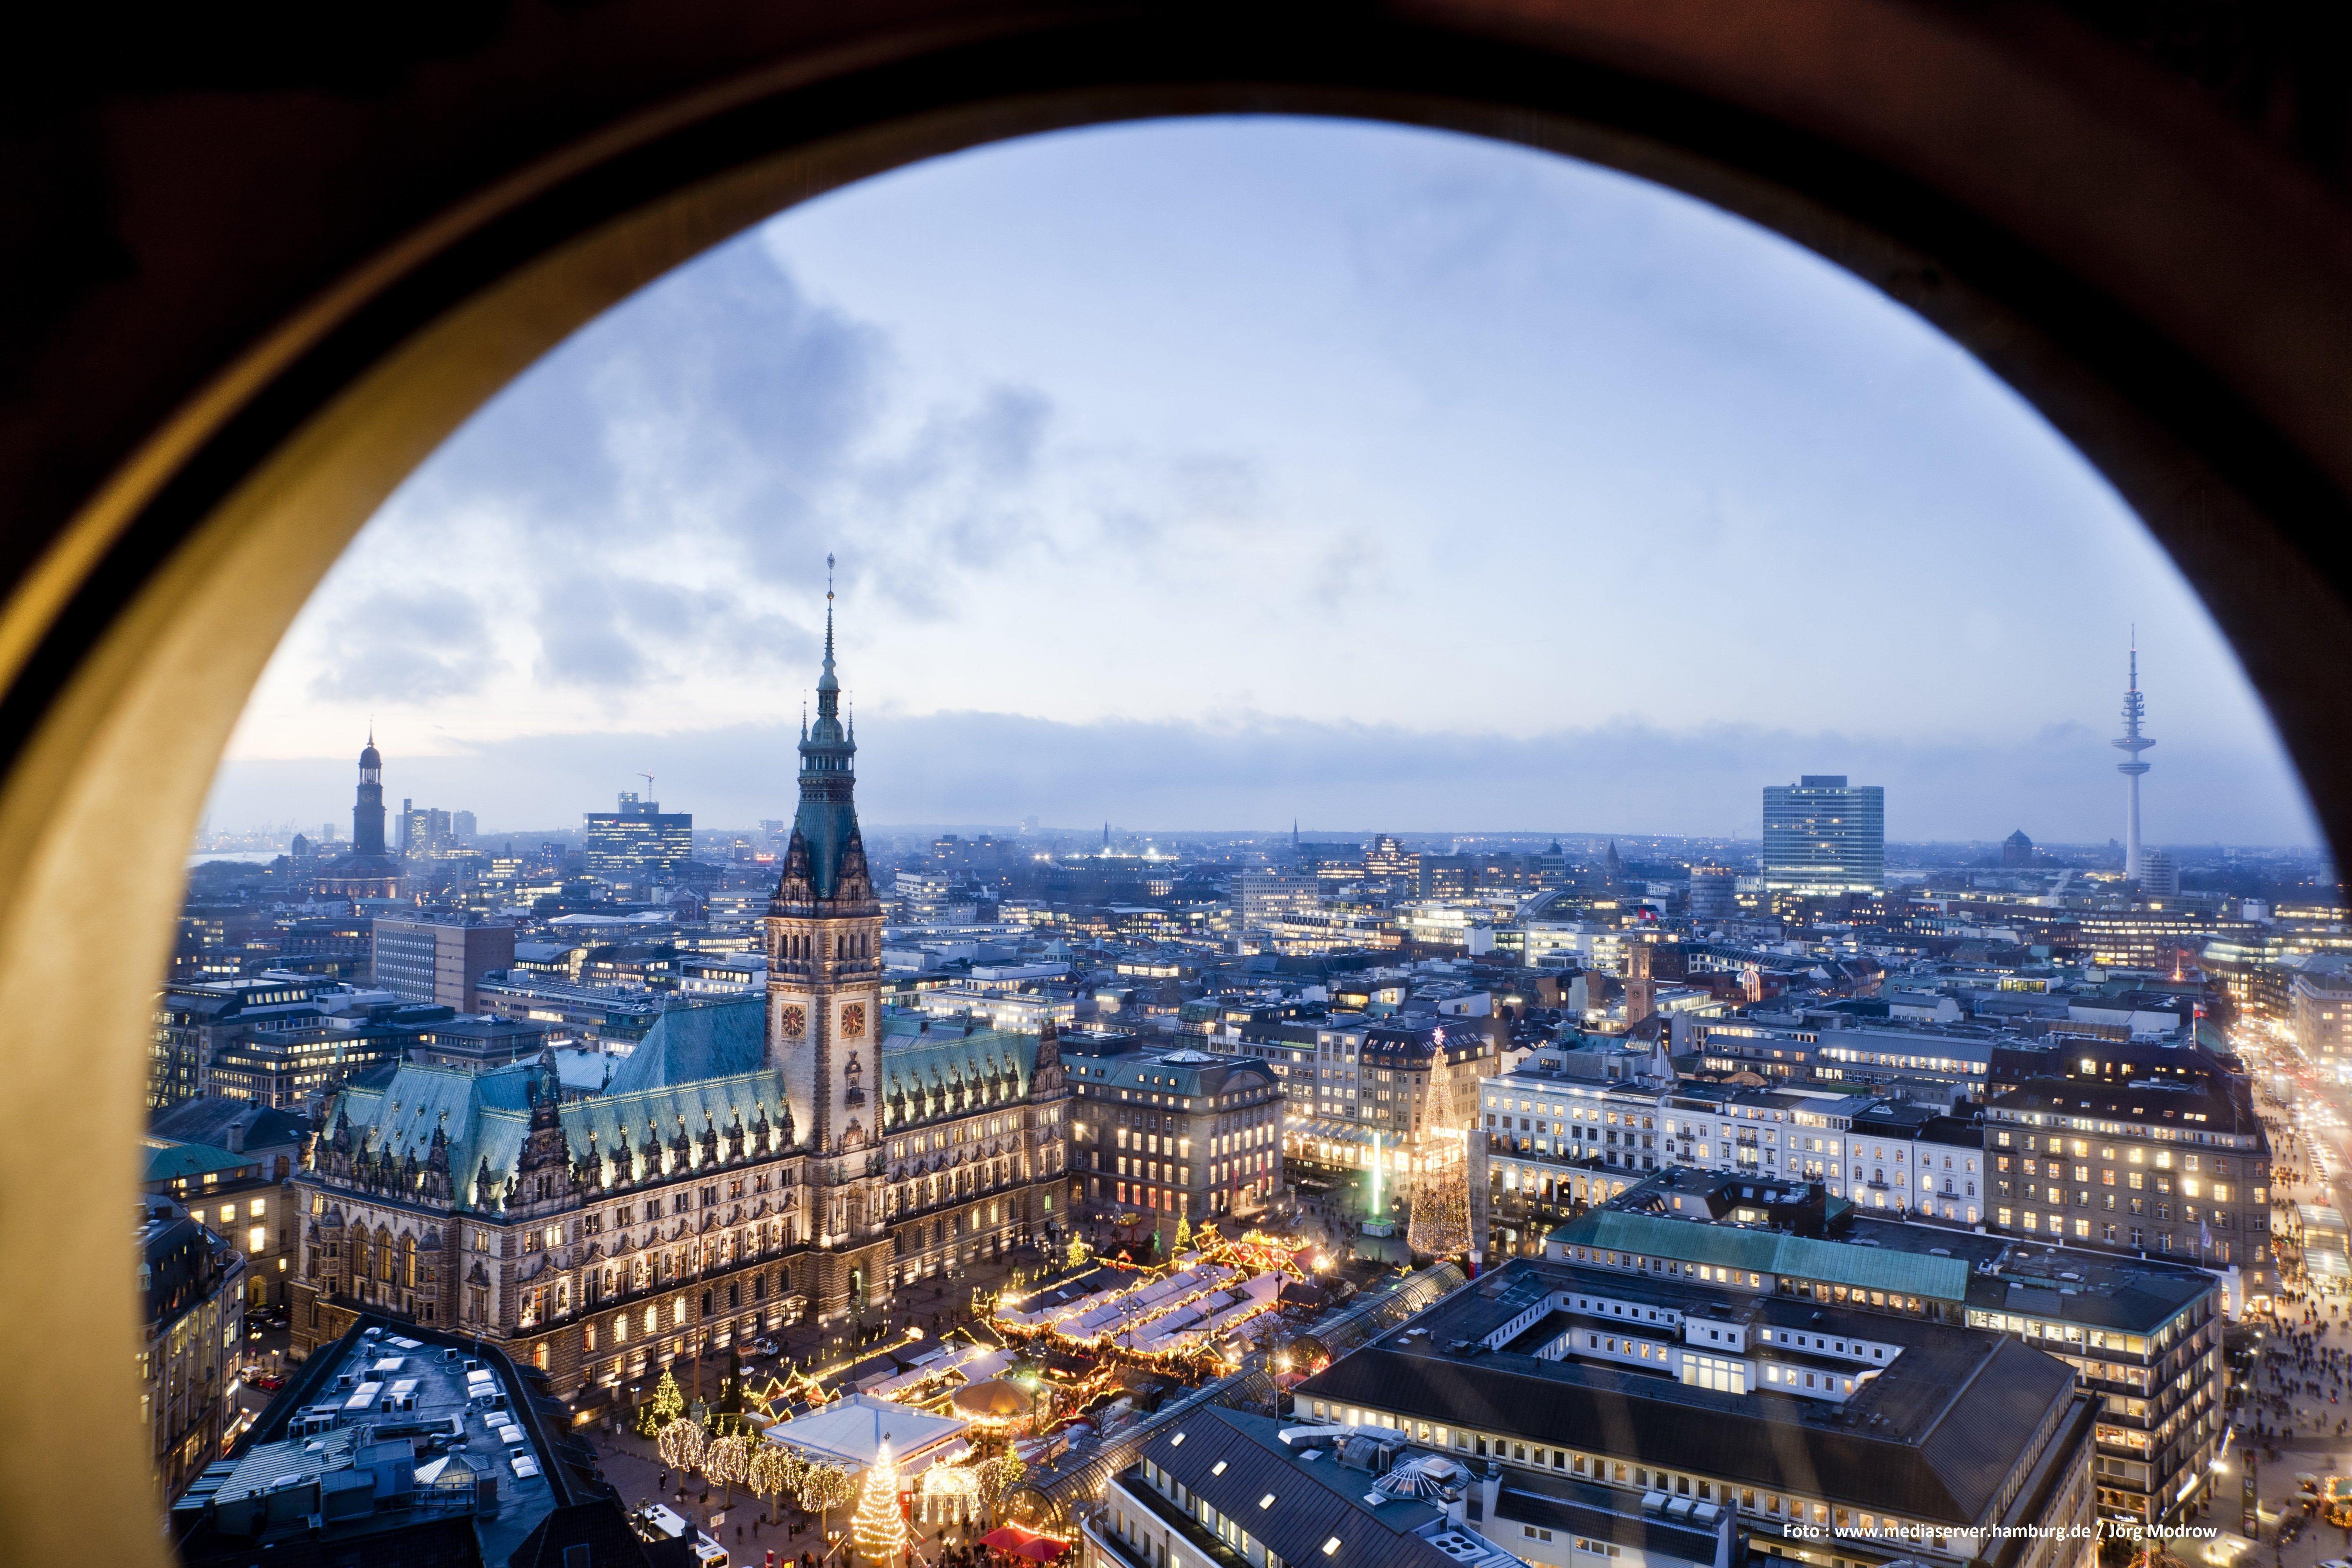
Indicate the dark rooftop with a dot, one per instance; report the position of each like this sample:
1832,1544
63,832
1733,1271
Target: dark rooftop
1932,1435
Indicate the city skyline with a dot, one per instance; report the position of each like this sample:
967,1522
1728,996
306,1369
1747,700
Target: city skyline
1450,461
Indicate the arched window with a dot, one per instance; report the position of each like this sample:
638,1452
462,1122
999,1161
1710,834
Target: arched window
408,1262
383,1255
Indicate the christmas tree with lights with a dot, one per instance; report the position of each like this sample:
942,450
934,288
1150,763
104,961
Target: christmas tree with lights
879,1528
1441,1199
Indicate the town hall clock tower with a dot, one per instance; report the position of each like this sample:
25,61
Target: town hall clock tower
824,1023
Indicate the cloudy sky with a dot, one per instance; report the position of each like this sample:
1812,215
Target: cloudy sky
1211,474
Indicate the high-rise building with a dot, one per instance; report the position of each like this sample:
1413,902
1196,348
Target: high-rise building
427,833
2133,744
1714,892
1823,835
2159,876
1390,865
638,842
2017,850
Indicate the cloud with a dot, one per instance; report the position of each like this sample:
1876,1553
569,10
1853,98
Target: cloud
398,645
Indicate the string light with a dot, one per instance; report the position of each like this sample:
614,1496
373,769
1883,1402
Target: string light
879,1528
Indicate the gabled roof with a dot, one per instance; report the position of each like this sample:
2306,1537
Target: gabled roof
923,1067
484,1117
621,1123
719,1039
169,1160
209,1119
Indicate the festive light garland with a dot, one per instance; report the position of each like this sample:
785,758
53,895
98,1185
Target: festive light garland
880,1529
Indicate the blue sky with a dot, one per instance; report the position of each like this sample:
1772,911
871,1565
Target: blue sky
1214,473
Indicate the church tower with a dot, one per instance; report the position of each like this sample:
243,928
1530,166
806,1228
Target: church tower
824,958
367,806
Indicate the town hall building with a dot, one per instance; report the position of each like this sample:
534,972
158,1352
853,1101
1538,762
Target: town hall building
750,1162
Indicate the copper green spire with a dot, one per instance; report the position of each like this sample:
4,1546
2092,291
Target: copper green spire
827,686
827,820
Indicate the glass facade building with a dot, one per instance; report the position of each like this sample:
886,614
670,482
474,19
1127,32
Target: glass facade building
1823,835
638,843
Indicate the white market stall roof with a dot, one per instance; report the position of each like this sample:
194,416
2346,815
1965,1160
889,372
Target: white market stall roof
848,1433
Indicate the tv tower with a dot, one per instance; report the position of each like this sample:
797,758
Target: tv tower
2133,742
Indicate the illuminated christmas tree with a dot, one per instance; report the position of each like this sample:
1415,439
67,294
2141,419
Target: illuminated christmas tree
1441,1199
669,1399
665,1406
879,1528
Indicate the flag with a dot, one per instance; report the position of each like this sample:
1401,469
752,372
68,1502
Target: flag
2204,1236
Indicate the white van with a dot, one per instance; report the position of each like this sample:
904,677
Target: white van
670,1522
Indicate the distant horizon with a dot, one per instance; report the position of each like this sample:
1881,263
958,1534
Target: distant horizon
1281,836
1237,468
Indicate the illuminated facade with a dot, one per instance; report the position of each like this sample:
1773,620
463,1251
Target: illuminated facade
752,1160
639,842
1823,835
2176,1170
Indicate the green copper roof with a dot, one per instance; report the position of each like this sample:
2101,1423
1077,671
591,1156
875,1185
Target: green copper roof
168,1160
1769,1252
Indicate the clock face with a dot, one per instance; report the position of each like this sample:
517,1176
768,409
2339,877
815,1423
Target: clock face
792,1019
852,1021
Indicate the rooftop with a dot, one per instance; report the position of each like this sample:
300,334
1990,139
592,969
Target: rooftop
407,1438
1303,1502
1933,1435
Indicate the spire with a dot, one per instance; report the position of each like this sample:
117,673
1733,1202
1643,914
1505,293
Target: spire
824,838
827,686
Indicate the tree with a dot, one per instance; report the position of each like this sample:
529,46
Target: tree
1440,1227
878,1528
998,1476
772,1470
683,1444
1184,1233
1077,1251
669,1399
728,1460
665,1406
823,1488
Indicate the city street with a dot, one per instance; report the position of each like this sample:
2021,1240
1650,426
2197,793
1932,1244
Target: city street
2292,1415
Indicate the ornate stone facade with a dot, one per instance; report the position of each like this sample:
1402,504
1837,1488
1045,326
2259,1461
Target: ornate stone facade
749,1162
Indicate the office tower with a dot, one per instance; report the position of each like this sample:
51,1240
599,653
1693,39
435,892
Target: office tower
1714,892
640,841
1824,835
1389,864
439,958
2133,743
427,833
2159,877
